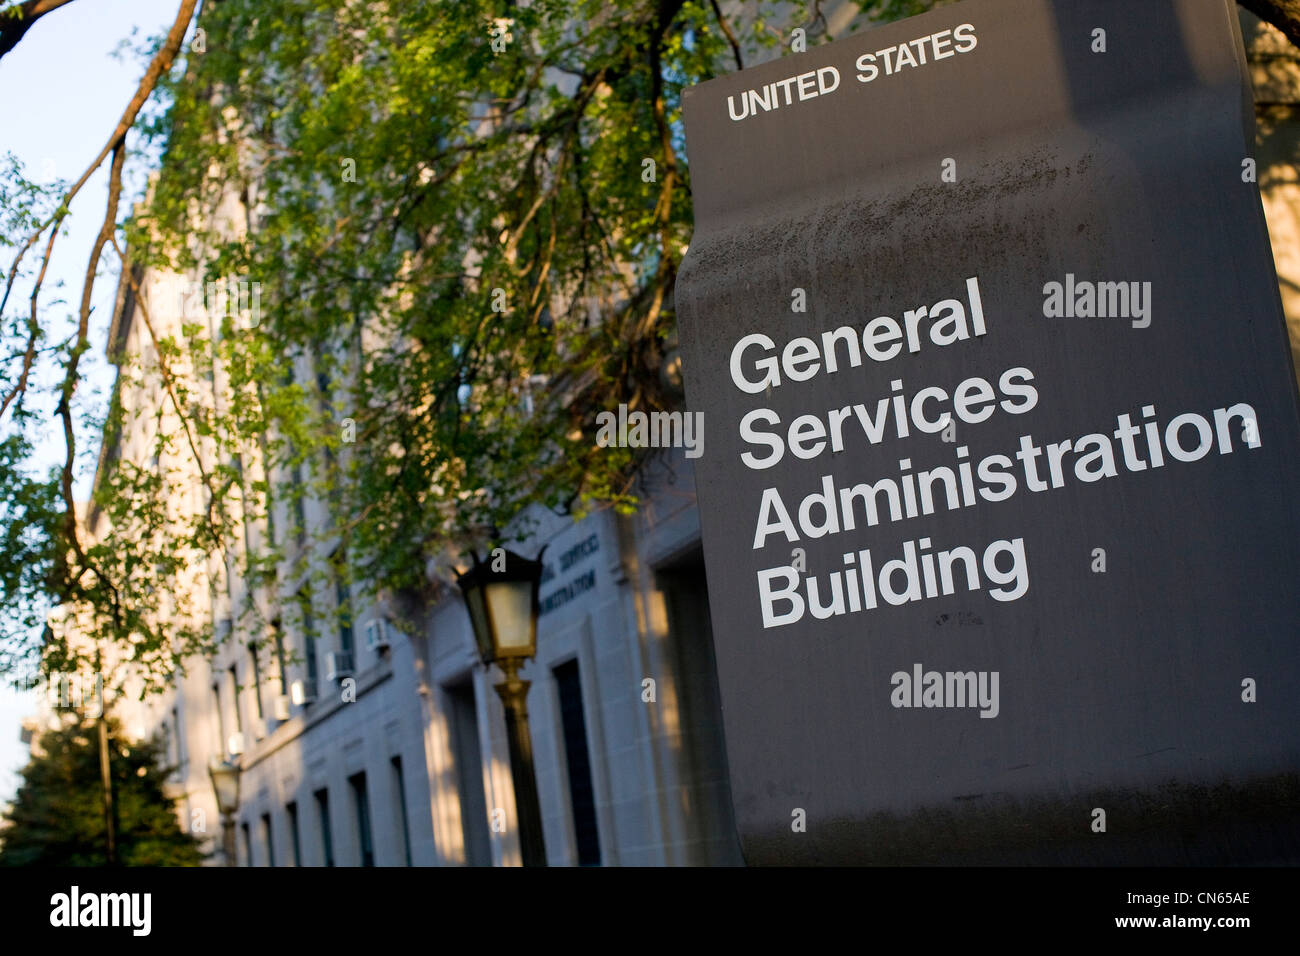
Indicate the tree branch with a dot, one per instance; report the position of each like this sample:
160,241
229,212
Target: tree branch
16,21
161,62
731,37
78,349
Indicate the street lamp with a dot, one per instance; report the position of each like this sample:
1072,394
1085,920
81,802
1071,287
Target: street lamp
225,781
501,596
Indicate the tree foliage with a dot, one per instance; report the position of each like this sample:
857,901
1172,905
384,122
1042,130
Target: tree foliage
458,241
57,818
106,589
464,220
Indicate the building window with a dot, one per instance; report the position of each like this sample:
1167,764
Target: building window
292,809
326,387
231,561
308,639
257,681
221,718
711,826
179,745
238,464
267,840
582,796
469,774
248,845
297,491
279,658
234,697
361,803
323,815
343,597
399,785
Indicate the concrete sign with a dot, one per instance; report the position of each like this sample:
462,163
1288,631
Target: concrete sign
999,502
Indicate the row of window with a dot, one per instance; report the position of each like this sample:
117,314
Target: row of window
466,758
465,744
360,818
346,644
345,656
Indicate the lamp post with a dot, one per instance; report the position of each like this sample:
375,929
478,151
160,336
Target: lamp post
225,781
501,596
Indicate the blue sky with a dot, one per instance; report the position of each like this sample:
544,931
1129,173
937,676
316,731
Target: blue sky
61,94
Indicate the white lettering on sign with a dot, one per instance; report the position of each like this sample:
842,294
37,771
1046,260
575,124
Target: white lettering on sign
824,80
797,88
754,370
786,596
918,52
787,593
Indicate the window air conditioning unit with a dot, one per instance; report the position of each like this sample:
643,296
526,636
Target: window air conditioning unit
281,707
235,745
302,692
376,633
338,664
